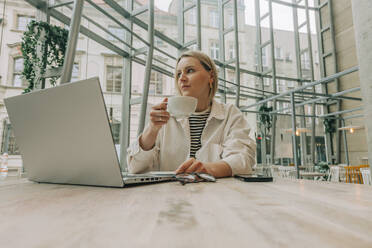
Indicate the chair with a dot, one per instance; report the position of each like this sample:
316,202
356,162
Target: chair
334,174
353,174
366,175
287,172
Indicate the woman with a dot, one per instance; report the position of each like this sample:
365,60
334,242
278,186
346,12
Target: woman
214,140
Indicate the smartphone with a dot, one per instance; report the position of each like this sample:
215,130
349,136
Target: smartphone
253,178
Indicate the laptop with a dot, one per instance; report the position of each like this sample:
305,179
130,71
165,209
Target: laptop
64,137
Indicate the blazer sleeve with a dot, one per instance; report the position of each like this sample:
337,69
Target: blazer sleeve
139,160
239,150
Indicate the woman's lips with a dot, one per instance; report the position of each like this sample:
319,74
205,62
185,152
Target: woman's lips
185,87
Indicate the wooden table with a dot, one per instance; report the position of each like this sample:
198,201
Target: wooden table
228,213
306,174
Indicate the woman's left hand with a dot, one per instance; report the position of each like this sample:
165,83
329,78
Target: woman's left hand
192,165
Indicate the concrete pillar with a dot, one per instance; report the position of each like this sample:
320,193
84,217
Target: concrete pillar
362,17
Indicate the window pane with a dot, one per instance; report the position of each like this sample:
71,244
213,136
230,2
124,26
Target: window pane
17,80
109,85
213,18
119,32
18,65
75,72
23,21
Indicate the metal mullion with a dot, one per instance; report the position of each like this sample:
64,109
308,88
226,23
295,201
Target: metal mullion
318,20
163,63
146,86
322,5
222,72
189,7
198,24
103,28
229,30
335,68
324,29
331,96
264,16
299,52
139,51
321,81
266,43
190,43
325,55
107,31
325,97
117,21
60,4
302,25
237,62
293,5
345,144
224,2
267,72
273,67
87,32
153,67
73,35
341,112
294,141
126,87
181,25
353,116
260,69
284,114
123,12
139,11
257,74
126,28
310,46
230,61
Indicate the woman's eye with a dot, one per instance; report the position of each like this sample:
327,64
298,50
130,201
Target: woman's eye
178,74
190,70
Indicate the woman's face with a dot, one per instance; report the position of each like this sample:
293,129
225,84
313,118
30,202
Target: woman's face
193,79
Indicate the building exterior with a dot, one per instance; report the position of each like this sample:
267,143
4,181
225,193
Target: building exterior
93,60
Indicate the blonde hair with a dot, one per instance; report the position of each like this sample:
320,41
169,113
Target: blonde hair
208,65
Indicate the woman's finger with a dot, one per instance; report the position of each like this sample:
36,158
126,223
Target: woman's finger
194,167
162,105
158,113
159,118
183,167
201,169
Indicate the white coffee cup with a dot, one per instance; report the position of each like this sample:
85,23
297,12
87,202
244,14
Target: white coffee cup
181,106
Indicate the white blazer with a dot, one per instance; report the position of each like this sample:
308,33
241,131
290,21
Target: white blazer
225,137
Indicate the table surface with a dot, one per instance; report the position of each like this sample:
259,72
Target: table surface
283,213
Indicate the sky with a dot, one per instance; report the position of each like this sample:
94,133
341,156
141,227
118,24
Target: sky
282,15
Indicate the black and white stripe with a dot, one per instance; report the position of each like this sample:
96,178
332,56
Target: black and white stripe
197,123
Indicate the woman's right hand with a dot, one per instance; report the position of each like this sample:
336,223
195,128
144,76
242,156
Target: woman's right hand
159,115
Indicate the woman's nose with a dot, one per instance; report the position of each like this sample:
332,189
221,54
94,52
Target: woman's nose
182,77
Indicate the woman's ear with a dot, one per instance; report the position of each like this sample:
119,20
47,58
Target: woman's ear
210,79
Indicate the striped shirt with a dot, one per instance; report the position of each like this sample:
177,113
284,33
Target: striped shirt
197,123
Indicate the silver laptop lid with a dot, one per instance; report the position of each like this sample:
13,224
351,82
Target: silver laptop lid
64,135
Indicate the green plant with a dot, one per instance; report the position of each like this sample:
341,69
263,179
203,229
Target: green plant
322,167
329,125
52,50
265,118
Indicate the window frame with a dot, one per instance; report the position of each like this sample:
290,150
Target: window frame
114,86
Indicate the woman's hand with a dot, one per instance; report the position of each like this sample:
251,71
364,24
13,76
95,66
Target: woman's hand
192,165
216,169
159,115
